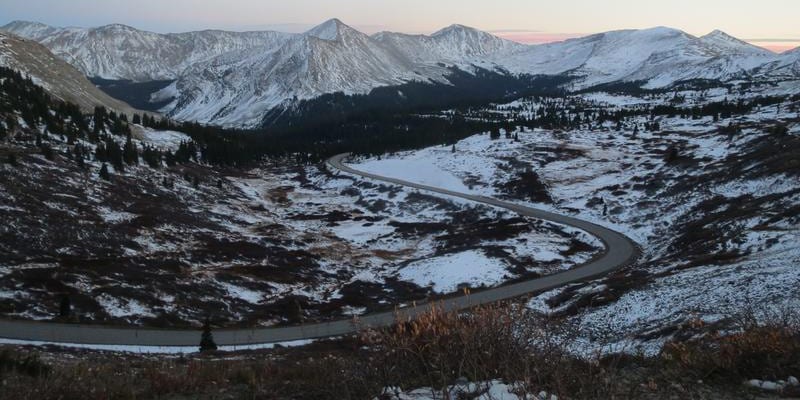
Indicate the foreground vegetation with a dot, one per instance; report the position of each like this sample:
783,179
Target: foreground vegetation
499,342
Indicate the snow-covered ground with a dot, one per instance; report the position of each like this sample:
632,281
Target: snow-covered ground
420,166
165,140
492,390
175,242
163,350
622,181
445,273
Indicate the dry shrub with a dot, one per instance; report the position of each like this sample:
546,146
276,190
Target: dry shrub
435,350
24,364
764,345
503,341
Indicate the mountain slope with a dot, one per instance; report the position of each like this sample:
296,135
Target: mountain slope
456,44
238,88
121,52
58,78
787,66
659,56
234,79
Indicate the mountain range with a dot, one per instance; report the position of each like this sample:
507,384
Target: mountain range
235,78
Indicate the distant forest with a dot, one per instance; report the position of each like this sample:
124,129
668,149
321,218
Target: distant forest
389,119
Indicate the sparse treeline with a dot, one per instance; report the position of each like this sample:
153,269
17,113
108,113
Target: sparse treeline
370,124
31,115
385,120
368,131
572,113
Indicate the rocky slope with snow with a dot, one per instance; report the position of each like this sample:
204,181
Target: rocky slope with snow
717,221
786,67
659,57
233,79
57,77
239,88
121,52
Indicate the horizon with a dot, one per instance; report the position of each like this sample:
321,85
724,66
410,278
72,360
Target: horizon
770,25
514,35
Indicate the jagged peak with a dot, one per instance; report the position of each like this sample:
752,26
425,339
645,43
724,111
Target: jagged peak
718,33
723,40
720,36
116,27
456,28
23,23
28,29
663,31
329,30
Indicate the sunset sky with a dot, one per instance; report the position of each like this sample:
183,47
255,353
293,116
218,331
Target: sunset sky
769,23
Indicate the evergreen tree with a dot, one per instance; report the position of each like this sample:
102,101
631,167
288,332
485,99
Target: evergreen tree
672,155
129,153
779,130
78,154
152,157
98,120
65,308
47,151
207,338
104,174
495,133
114,155
12,159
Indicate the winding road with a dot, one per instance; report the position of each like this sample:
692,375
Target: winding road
619,251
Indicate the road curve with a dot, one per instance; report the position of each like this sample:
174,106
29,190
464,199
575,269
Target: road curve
619,251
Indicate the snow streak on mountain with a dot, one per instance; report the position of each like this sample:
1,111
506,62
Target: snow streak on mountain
233,79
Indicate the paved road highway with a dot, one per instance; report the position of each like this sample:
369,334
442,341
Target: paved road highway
619,251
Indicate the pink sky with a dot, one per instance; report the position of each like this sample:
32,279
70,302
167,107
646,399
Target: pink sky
769,23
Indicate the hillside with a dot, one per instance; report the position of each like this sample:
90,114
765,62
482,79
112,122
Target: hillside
57,77
141,225
708,188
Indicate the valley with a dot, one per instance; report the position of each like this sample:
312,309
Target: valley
407,216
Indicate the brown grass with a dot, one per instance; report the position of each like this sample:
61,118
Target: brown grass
504,342
763,347
499,341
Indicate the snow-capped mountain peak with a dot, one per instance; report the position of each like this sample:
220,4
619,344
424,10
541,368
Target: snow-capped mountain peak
117,27
718,34
329,30
722,41
119,51
454,29
29,29
475,41
234,78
